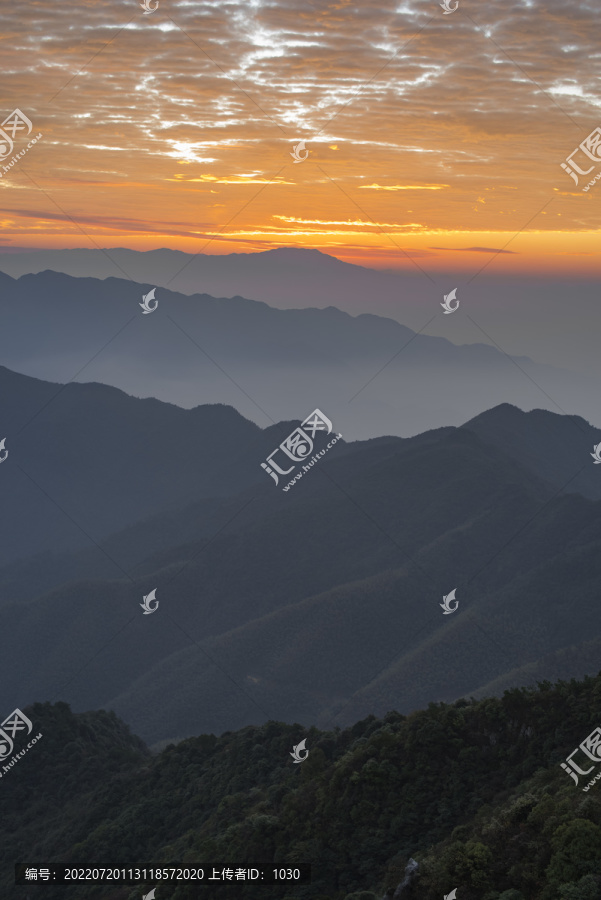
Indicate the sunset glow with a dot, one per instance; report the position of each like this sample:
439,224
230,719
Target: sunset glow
433,140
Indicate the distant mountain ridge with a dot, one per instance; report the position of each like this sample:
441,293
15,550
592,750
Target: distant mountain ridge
547,317
371,375
224,275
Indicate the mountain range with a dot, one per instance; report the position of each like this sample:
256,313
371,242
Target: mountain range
551,318
371,375
317,605
86,460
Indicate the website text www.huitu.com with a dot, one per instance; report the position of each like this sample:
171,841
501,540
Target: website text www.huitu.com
17,756
314,459
591,783
21,153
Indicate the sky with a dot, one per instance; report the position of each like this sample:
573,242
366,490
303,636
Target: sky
431,140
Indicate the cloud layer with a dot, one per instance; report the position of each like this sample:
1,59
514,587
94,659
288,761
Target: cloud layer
181,123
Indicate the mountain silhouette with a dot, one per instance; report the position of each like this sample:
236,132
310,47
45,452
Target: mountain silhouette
371,375
86,459
321,604
298,278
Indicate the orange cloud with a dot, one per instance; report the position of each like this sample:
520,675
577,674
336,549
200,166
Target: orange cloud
409,116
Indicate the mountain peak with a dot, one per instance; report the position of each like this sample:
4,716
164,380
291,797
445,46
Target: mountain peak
301,256
502,412
295,252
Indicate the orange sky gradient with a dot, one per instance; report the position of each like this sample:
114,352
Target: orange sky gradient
434,141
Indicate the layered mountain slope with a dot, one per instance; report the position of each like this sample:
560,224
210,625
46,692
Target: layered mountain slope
371,375
86,459
324,602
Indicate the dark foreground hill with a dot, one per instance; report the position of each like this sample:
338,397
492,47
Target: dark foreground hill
473,791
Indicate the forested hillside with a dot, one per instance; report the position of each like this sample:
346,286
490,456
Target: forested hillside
472,791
